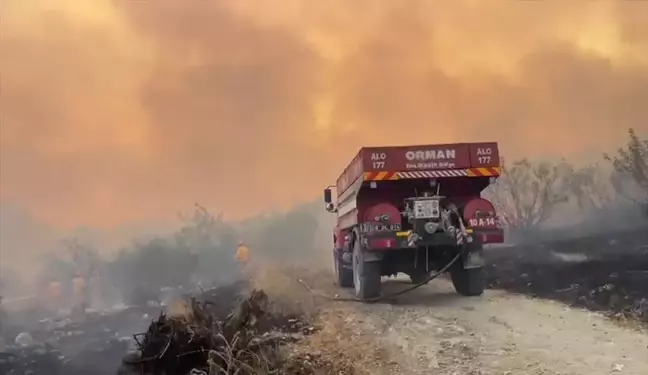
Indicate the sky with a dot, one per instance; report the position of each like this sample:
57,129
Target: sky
118,111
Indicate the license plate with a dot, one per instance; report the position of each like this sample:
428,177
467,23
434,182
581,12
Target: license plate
428,209
380,227
482,222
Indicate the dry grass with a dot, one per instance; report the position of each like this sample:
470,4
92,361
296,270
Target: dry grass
288,296
340,346
195,340
630,320
346,345
178,308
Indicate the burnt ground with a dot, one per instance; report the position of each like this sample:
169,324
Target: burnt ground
606,273
97,345
94,346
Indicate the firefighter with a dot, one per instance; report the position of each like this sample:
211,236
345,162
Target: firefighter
3,319
53,295
242,255
80,295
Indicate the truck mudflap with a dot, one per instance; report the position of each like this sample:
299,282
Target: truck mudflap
473,256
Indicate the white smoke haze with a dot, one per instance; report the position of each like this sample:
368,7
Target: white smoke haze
252,106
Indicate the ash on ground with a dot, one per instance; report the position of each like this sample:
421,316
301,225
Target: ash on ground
193,335
606,273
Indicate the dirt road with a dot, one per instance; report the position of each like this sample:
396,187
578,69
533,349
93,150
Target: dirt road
433,330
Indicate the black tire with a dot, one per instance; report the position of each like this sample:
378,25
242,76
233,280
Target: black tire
344,275
418,277
366,275
468,282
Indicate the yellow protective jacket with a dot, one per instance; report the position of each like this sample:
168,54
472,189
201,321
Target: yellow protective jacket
54,290
242,254
79,287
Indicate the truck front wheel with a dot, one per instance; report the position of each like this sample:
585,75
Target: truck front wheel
344,274
366,275
468,282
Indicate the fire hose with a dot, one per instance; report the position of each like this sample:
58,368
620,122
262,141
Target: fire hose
462,230
389,296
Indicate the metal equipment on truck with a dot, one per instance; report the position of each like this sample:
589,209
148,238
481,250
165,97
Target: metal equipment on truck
413,210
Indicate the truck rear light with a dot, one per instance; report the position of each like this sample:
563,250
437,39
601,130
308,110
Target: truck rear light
496,236
382,243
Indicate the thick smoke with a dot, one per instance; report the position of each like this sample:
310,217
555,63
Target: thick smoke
120,111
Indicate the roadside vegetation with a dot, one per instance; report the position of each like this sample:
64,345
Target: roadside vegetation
596,260
532,195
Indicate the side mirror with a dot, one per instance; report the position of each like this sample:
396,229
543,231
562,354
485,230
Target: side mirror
327,196
328,199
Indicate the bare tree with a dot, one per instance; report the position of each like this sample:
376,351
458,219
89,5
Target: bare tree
630,178
590,187
85,258
200,230
527,193
70,258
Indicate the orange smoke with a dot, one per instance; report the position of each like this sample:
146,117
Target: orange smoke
127,110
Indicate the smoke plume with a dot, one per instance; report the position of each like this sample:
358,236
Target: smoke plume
117,111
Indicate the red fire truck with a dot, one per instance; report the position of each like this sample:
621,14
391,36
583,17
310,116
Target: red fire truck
413,210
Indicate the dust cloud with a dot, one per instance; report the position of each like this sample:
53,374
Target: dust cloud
125,111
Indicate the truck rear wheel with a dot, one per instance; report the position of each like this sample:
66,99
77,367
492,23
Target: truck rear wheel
366,275
468,282
344,275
